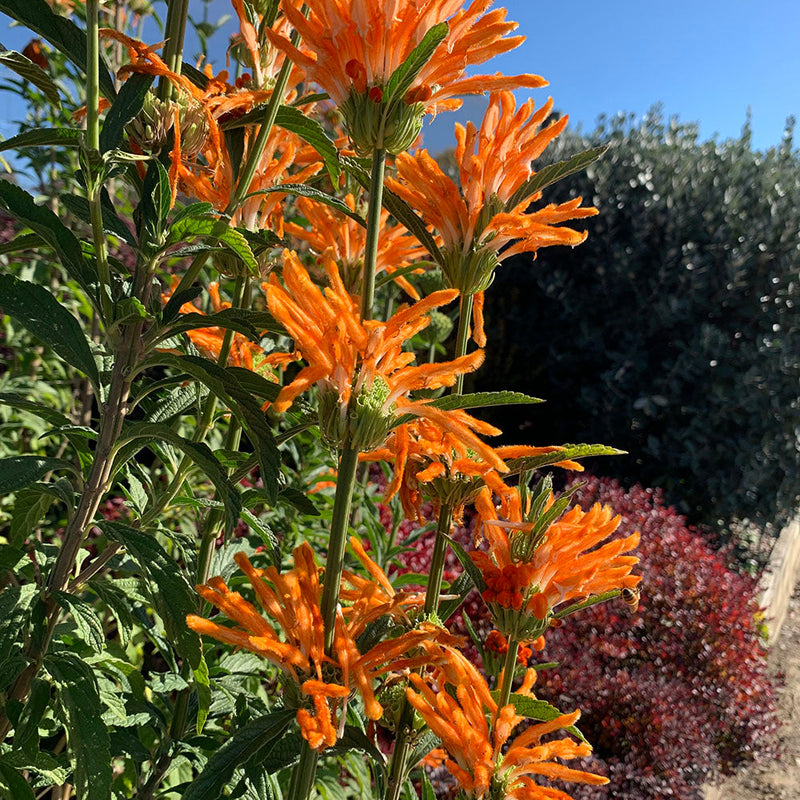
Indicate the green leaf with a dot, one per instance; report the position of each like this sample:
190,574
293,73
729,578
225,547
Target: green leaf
203,687
310,130
254,383
17,472
398,208
355,739
87,735
170,592
554,173
202,457
124,109
43,316
16,784
461,586
304,190
214,228
61,32
229,386
79,206
90,629
26,731
247,743
30,505
46,224
235,319
425,743
40,410
571,452
26,241
151,213
589,601
468,564
44,137
540,710
118,603
451,402
402,78
31,73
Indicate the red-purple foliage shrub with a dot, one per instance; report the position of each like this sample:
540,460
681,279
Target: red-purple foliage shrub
677,693
673,695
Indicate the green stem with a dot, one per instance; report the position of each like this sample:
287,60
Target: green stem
509,667
462,336
434,588
373,233
345,484
175,29
304,773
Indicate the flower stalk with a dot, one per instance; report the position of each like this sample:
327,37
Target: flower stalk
509,667
373,231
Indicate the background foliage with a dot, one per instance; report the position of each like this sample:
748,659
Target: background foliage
673,330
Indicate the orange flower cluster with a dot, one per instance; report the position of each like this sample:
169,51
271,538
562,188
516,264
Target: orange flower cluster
291,636
478,751
487,209
562,564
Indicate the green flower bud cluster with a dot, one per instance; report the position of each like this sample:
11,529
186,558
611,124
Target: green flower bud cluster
364,424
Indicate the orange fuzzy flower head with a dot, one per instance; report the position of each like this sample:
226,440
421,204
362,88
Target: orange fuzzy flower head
353,49
487,209
475,735
346,239
364,375
288,631
535,561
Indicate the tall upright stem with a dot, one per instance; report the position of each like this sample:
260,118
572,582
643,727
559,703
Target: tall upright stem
373,233
175,28
434,587
462,336
509,665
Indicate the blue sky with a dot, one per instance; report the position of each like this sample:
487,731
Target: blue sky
706,60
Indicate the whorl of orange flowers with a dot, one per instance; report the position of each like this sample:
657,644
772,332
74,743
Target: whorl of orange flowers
288,631
475,733
447,466
352,47
563,564
364,374
476,219
346,239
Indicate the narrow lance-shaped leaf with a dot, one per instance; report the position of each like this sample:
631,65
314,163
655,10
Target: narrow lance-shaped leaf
17,472
554,173
79,206
452,402
303,190
537,709
402,78
247,743
570,452
125,108
42,315
44,137
190,227
32,73
61,32
170,592
87,735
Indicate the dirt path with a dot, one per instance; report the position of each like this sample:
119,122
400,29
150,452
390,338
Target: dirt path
778,779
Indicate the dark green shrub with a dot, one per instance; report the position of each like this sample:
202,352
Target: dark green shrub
672,332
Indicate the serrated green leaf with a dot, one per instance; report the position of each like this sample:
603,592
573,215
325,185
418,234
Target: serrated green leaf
555,172
571,452
402,78
461,586
284,752
170,592
300,500
304,190
235,319
212,227
245,744
44,137
127,105
17,472
424,744
90,629
87,735
15,783
451,402
40,410
540,710
228,385
254,383
202,457
166,406
61,32
43,316
31,73
589,601
79,206
203,687
27,241
151,213
46,224
30,506
118,604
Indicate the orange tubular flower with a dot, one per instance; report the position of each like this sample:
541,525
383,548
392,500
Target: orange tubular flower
354,46
447,466
474,744
364,374
489,210
291,602
347,242
529,571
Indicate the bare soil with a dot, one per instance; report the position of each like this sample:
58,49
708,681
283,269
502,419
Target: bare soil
777,779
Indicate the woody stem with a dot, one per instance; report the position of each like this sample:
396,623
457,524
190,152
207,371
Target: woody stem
509,666
373,232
